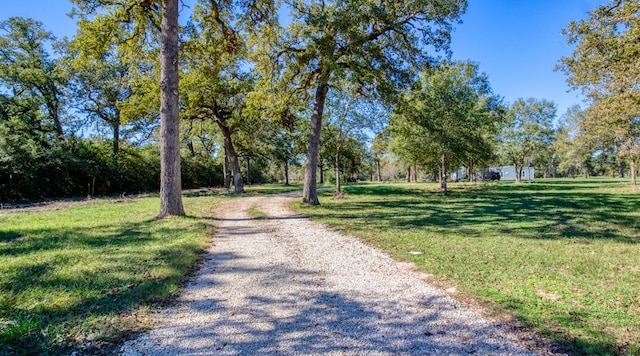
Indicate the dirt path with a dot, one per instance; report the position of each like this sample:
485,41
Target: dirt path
286,285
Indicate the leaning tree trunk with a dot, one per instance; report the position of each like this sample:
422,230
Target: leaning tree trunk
170,178
309,192
233,158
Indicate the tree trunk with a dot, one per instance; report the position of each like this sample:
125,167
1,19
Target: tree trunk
620,169
415,173
116,138
518,174
321,168
408,177
225,170
286,172
310,193
443,179
233,158
170,177
378,170
338,188
53,107
248,170
634,173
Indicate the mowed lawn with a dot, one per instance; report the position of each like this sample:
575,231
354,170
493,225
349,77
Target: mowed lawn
562,256
85,276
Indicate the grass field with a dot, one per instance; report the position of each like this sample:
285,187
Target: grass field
86,275
561,256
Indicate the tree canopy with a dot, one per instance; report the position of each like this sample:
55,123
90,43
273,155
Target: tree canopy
605,65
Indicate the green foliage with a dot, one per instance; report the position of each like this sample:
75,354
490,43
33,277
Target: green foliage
605,65
448,118
574,145
32,78
528,132
560,255
56,296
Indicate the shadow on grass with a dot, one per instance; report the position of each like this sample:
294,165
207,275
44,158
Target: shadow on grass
71,281
534,214
381,214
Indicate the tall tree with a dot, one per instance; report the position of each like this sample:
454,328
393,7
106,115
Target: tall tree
170,178
527,131
143,23
454,107
30,75
605,65
373,44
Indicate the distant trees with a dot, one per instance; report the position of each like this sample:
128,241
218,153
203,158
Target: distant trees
450,117
574,145
527,132
605,65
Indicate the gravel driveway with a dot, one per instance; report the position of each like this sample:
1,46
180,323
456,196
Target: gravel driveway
286,285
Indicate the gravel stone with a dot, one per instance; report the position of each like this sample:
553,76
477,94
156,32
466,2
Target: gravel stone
284,285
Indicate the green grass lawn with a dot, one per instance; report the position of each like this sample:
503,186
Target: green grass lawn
562,256
87,275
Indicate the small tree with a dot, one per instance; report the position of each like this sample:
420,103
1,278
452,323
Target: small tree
527,131
454,109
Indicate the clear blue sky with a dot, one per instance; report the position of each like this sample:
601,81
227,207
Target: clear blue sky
516,42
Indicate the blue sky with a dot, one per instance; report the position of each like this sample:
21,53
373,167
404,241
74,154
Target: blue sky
516,42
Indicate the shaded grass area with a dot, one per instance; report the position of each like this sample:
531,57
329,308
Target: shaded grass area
85,276
562,256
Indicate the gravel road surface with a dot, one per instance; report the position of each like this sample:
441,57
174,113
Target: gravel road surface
285,285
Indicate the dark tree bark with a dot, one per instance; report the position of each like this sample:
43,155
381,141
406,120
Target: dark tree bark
519,173
286,172
225,170
310,193
408,177
116,138
248,170
443,175
634,173
233,158
170,178
620,169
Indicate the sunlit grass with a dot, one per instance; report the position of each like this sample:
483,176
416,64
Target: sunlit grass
86,275
562,256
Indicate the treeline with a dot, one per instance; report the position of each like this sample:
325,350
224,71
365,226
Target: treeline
358,92
87,167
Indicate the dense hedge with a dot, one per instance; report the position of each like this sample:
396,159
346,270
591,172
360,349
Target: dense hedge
80,167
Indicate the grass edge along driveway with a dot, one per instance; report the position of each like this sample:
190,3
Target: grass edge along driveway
560,255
